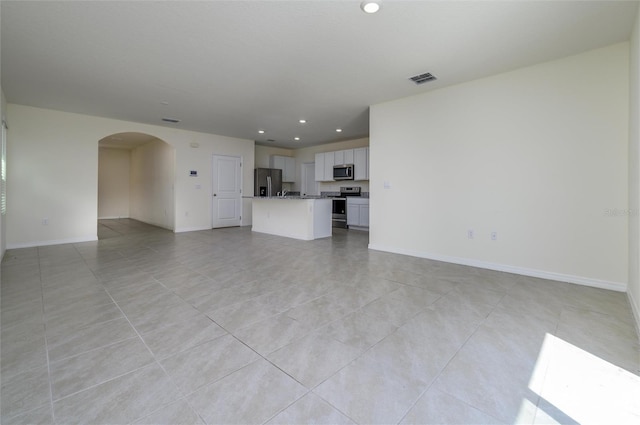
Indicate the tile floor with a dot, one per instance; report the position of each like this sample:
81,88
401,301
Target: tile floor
228,326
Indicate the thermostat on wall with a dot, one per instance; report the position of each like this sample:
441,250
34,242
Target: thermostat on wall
193,173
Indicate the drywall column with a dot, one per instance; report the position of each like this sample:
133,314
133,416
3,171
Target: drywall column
634,171
538,155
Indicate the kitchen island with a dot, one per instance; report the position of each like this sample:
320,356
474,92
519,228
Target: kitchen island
293,217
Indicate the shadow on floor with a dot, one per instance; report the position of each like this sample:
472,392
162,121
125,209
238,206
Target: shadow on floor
111,228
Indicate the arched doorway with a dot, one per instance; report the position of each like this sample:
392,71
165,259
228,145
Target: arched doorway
136,174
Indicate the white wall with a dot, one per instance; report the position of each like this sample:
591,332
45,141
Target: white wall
263,154
113,182
538,155
3,221
53,175
152,174
53,171
309,155
634,172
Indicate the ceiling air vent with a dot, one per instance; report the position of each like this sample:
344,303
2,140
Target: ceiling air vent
270,140
171,120
422,78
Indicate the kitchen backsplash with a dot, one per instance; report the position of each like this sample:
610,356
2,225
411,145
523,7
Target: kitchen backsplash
333,194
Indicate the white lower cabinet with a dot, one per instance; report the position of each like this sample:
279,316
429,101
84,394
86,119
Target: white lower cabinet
364,215
358,212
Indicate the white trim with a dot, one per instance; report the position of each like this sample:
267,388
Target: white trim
360,228
53,242
115,217
213,187
190,229
636,312
561,277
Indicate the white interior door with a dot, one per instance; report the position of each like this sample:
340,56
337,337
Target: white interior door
309,183
227,191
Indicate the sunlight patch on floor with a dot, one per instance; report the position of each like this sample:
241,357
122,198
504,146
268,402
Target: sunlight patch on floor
574,386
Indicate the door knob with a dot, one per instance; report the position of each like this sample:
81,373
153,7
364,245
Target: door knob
215,194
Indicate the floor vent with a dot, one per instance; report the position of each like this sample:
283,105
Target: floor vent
422,78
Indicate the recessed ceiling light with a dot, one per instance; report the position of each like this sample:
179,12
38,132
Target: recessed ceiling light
302,121
338,130
261,131
370,6
296,138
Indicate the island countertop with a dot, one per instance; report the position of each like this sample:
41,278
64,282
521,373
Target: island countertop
304,218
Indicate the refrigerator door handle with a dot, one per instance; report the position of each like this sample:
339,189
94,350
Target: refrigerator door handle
269,186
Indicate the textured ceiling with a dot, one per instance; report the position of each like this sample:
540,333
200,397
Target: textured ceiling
235,67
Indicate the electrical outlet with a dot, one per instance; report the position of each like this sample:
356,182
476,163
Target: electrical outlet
45,221
494,236
470,234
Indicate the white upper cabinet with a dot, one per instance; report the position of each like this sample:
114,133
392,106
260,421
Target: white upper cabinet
361,164
343,157
288,166
338,158
329,162
358,157
319,167
324,166
348,156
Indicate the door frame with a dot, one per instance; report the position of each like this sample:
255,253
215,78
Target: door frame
213,177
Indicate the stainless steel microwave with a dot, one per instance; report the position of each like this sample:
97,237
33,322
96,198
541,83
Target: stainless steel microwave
343,172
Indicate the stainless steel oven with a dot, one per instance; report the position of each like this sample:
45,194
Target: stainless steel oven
339,212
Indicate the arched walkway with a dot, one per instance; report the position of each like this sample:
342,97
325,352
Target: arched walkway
136,172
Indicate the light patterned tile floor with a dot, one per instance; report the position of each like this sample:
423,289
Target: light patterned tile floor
228,326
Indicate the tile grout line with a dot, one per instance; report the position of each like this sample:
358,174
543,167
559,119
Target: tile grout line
449,362
155,360
46,340
42,272
180,390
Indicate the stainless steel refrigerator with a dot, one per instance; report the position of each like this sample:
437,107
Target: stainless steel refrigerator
267,182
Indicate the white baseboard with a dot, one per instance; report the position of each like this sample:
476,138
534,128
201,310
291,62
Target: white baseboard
92,238
636,312
190,229
560,277
115,217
